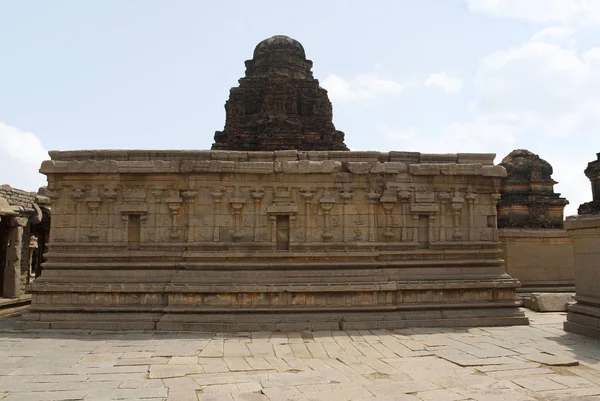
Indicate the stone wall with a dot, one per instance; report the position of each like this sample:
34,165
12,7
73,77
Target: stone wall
227,240
584,316
542,260
25,212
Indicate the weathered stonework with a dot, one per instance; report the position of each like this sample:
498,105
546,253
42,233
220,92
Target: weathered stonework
24,223
535,247
284,240
584,316
584,229
527,193
593,173
278,104
541,259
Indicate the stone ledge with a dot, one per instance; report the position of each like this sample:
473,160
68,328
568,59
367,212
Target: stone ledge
532,233
584,221
235,322
486,159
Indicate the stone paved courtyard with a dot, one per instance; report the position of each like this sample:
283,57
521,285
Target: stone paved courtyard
536,362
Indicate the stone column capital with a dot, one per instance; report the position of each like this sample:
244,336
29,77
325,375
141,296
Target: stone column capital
18,221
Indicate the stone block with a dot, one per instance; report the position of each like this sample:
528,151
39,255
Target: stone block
404,157
424,169
438,158
548,302
359,167
477,158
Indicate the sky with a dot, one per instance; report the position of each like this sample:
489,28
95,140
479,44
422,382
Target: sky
434,76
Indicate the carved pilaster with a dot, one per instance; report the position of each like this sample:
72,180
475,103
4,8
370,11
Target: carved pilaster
174,203
237,203
388,201
346,197
110,195
216,194
444,199
373,199
404,198
494,212
457,204
257,194
189,197
307,194
471,202
158,194
93,202
327,201
77,195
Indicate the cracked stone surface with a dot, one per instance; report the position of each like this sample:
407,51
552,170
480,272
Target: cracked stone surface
536,362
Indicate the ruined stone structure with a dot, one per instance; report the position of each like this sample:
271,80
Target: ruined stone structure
24,225
273,239
528,199
593,173
537,250
584,229
279,105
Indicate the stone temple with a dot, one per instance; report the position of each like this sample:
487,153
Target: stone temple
279,227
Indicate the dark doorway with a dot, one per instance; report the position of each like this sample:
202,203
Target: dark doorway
282,226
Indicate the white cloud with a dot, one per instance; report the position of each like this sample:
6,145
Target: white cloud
558,35
447,82
544,96
549,96
21,154
541,85
580,12
362,87
478,135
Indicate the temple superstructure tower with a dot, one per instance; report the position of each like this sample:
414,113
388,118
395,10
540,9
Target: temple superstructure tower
278,104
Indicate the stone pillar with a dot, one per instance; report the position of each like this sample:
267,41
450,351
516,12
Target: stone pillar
12,270
584,316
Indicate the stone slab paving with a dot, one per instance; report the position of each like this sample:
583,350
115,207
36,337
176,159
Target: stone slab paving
521,363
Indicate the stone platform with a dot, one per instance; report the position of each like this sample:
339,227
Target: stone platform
283,240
